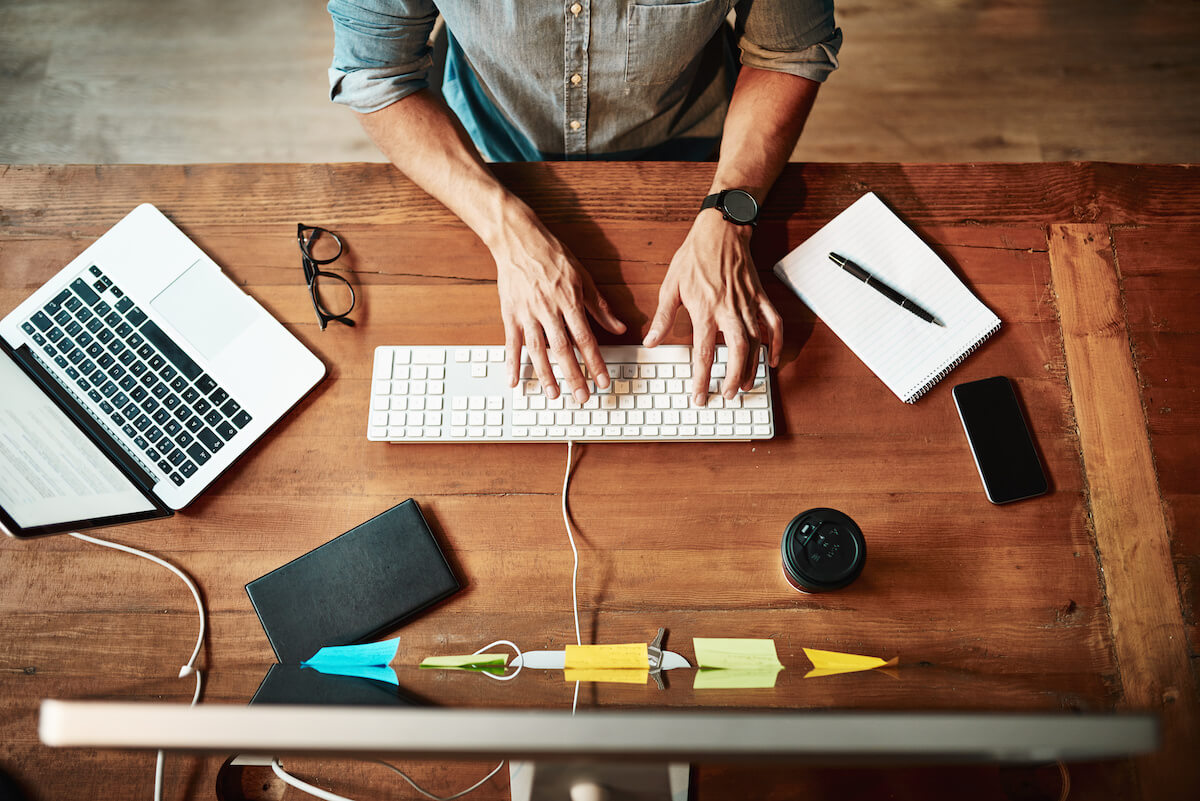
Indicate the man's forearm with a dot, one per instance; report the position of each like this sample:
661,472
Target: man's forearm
765,117
423,138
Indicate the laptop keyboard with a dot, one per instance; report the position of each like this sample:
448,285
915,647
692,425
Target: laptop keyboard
138,380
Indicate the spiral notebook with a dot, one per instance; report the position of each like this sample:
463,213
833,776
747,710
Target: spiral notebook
908,354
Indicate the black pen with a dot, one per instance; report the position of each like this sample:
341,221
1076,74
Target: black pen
882,288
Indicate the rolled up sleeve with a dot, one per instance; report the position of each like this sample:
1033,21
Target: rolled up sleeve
380,51
798,37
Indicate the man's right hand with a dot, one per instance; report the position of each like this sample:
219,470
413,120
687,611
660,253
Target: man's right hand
544,293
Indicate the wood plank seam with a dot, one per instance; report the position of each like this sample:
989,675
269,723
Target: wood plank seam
1127,516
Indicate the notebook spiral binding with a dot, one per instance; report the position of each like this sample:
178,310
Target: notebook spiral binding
932,381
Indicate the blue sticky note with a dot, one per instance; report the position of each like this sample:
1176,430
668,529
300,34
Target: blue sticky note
372,653
375,672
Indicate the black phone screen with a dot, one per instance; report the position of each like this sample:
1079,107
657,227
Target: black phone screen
1004,453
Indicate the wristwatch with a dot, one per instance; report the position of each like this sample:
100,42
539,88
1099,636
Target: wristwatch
735,205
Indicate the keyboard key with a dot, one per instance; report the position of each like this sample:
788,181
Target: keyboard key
85,292
218,396
42,321
241,419
57,301
198,453
210,439
205,384
135,316
167,346
124,305
188,468
230,408
226,430
177,479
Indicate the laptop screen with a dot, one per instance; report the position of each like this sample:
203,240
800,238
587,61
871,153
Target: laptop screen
53,477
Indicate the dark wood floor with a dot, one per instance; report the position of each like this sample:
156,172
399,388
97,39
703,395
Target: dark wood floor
169,81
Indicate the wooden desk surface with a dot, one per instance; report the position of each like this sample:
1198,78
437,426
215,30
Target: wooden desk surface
1082,599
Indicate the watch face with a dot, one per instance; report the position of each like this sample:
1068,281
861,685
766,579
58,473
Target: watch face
740,206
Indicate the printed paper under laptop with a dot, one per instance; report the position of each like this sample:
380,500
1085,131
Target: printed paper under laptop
132,379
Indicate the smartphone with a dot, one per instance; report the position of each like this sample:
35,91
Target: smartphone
1000,441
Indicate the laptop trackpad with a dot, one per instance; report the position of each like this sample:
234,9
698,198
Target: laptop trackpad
206,308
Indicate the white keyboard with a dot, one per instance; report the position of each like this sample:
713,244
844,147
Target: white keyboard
461,394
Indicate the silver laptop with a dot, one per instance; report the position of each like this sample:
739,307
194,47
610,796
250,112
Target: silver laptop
132,379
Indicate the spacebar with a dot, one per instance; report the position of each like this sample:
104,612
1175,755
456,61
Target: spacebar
171,350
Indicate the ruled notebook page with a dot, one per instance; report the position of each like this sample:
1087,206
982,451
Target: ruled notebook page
907,353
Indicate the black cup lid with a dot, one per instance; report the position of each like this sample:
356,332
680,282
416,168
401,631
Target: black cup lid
823,549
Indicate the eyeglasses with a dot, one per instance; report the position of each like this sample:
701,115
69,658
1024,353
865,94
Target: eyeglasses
332,295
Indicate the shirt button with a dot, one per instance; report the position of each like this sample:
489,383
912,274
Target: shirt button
575,126
576,8
576,78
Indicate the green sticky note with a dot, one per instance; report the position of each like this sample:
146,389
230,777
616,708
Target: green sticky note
727,652
470,661
735,678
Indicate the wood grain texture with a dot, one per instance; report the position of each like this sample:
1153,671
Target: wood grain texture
1131,532
988,607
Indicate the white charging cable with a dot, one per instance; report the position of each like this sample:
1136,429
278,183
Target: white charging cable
189,669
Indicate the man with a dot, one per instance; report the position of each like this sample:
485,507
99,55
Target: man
595,79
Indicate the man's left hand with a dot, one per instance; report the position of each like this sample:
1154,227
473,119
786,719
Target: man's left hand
712,275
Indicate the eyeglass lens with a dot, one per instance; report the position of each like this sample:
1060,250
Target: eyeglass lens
322,246
333,294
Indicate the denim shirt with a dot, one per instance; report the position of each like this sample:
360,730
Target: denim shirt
578,79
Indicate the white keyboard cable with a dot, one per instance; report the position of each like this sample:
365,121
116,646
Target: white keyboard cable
575,569
325,795
188,669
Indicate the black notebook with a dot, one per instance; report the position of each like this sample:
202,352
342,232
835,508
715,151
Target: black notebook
354,587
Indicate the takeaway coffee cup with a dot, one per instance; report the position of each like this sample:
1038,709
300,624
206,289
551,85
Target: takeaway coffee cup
823,550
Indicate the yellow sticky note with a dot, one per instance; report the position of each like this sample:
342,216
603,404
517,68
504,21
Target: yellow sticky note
735,678
612,675
631,655
725,652
468,661
831,663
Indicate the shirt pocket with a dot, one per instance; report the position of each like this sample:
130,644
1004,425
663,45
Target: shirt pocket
665,38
